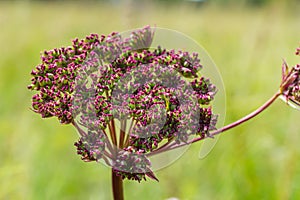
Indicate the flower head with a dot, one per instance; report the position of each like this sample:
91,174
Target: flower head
290,86
157,95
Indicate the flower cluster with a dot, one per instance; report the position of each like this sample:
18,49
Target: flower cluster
130,160
290,86
54,78
102,79
153,127
91,146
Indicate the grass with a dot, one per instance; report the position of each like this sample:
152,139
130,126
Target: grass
258,160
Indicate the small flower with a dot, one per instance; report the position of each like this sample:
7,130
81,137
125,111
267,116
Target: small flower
290,85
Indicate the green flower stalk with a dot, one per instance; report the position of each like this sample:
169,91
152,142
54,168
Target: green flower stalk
130,101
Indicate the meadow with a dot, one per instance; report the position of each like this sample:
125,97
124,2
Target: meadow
258,160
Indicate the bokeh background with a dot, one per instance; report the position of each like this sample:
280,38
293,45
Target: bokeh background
246,39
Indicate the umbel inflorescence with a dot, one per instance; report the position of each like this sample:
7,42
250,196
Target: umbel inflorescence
127,99
130,101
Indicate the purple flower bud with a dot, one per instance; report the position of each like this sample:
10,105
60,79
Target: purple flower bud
290,85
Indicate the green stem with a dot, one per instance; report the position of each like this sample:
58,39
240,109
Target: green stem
117,186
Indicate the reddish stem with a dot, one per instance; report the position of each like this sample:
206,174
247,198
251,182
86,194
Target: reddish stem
223,129
122,133
247,117
117,186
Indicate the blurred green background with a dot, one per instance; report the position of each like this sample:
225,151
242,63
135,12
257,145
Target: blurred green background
247,41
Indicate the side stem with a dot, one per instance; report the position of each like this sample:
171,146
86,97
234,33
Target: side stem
249,116
223,129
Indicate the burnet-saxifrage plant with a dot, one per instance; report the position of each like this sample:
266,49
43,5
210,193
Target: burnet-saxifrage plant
130,101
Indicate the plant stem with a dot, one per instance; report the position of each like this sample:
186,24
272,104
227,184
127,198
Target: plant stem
247,117
122,133
132,125
223,129
112,132
117,186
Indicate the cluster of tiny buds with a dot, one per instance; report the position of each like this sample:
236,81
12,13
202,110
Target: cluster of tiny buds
91,146
54,78
290,86
294,89
64,92
133,164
